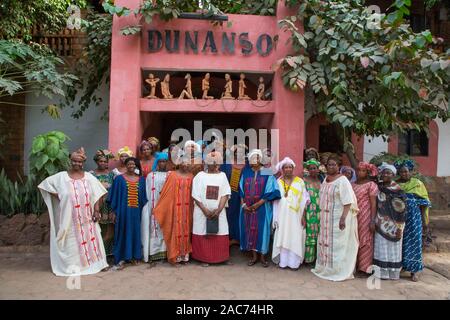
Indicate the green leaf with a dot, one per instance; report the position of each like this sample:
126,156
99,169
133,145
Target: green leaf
38,144
41,161
50,168
52,150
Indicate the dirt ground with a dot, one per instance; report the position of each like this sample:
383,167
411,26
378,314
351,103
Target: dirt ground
29,276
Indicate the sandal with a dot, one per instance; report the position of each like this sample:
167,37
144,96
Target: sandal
414,277
251,263
264,263
119,266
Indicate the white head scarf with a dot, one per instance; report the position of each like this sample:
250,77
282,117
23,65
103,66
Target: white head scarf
196,145
385,165
284,162
255,152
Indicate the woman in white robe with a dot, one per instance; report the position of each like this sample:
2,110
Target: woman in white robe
338,243
153,245
72,198
289,237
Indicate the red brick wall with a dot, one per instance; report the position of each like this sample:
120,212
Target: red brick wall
13,154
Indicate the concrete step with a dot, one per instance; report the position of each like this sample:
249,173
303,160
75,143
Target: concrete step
440,222
441,242
438,262
434,213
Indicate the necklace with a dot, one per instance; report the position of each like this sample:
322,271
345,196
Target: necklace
286,187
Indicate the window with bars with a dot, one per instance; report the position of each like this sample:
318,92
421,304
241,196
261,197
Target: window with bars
413,143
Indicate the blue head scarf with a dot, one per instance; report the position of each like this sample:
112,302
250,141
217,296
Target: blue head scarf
409,164
159,156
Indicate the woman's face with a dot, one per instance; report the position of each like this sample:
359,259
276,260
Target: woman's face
102,163
131,166
311,155
162,165
348,173
387,175
255,161
324,160
76,164
404,173
184,166
332,167
288,170
313,170
213,167
123,157
362,173
146,150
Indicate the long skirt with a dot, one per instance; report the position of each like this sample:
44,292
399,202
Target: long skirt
412,240
387,258
210,248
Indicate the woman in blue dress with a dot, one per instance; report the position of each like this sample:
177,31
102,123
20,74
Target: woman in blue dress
127,197
234,172
255,220
417,204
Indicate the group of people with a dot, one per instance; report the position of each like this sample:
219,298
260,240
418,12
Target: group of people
158,208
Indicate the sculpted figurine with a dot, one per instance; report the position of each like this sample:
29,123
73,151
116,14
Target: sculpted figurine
242,87
152,81
205,87
165,90
187,89
228,88
261,88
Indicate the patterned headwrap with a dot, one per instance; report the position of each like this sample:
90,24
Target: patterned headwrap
159,156
125,150
153,140
105,153
409,164
214,158
371,169
346,168
385,166
255,152
311,162
79,155
284,162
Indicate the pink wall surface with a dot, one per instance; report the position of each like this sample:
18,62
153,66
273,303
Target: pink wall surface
130,55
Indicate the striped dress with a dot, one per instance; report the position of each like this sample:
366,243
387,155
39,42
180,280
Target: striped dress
363,193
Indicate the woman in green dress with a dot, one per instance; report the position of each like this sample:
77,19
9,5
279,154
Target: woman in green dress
106,177
311,217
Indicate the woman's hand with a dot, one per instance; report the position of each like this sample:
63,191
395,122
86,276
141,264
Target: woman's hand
97,216
113,217
342,222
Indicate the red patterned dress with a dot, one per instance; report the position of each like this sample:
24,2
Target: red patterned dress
363,193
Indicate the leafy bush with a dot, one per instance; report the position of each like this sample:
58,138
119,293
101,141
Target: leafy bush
49,154
21,196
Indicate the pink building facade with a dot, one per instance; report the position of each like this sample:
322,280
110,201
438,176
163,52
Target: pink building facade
156,50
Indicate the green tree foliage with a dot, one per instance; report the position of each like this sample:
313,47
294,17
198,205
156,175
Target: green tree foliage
31,68
93,67
171,9
17,17
370,73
